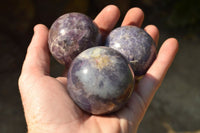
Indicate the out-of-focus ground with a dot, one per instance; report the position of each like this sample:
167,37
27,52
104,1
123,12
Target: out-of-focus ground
175,107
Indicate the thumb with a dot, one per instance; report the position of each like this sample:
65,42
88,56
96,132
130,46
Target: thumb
37,59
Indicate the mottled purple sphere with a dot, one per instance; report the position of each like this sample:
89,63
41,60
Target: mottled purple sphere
100,80
71,34
136,45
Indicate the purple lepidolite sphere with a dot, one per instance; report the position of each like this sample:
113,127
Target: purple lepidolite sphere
71,34
136,45
100,80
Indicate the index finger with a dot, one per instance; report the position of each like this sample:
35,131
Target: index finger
134,16
107,19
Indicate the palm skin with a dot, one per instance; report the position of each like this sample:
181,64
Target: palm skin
48,107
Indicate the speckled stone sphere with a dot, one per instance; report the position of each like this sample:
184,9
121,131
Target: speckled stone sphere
71,34
100,80
136,45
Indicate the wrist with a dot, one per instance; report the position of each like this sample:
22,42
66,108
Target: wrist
50,129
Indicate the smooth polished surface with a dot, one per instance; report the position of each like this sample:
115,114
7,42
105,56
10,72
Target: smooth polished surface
100,80
71,34
136,45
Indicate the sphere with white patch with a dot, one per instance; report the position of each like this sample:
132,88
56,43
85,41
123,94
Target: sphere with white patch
100,80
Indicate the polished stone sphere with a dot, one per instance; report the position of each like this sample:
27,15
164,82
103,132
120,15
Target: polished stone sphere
136,45
71,34
100,80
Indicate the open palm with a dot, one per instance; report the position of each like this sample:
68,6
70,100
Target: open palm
48,107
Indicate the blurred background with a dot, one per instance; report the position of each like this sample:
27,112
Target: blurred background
176,106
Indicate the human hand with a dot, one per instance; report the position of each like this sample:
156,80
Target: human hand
47,105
